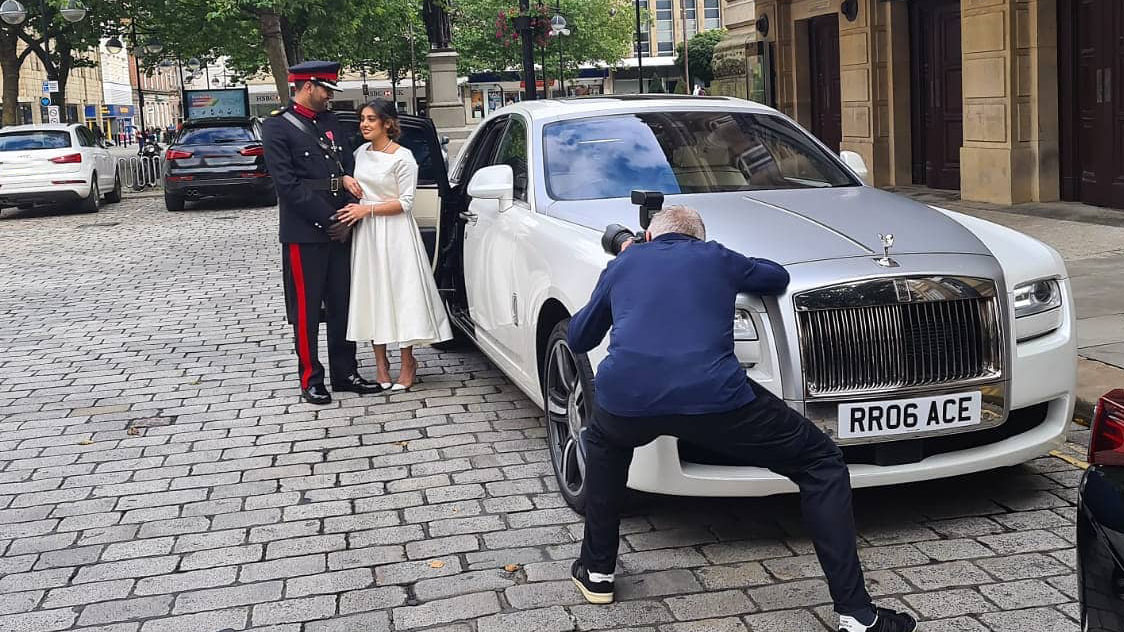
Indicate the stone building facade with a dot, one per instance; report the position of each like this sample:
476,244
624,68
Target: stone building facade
1007,101
83,90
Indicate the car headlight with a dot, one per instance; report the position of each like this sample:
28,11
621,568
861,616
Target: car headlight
1037,297
744,329
1037,310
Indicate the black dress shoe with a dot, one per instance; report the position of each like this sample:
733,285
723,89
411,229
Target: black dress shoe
356,384
316,394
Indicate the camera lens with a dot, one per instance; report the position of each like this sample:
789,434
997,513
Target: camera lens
614,237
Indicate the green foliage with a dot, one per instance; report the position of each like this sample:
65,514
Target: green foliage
600,31
700,54
373,35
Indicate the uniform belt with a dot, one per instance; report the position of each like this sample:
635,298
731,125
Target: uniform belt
323,184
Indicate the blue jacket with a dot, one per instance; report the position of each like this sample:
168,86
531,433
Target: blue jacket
670,305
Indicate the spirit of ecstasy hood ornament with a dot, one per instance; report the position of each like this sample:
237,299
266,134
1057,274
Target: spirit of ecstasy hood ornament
885,260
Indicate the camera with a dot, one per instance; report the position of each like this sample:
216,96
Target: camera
615,235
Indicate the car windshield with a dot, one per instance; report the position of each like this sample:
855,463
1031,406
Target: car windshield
215,136
683,152
24,141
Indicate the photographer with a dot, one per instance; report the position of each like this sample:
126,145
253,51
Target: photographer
671,370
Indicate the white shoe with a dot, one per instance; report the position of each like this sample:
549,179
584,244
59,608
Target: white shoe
385,385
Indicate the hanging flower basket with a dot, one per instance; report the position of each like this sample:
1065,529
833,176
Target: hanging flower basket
509,21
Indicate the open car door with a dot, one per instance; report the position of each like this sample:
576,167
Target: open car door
419,135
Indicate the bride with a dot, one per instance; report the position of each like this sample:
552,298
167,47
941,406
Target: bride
394,299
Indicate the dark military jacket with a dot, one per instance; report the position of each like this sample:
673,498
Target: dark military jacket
302,169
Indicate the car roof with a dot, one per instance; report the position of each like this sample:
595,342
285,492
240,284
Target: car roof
217,122
579,107
40,127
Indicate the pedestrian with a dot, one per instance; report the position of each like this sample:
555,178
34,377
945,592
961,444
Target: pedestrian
671,370
311,171
394,299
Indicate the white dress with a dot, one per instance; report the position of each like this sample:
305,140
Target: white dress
394,299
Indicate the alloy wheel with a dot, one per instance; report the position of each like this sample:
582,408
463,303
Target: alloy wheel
566,416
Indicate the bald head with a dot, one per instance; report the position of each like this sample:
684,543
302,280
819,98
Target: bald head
678,219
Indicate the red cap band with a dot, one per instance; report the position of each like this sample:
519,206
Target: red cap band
294,77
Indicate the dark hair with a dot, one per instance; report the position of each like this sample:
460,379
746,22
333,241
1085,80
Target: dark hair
387,113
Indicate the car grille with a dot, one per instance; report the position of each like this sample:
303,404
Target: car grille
891,334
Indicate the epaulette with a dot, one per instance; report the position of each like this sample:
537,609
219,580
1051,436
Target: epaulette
279,111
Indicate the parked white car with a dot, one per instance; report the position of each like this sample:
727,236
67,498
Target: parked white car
58,165
945,349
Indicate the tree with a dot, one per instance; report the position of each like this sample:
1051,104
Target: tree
700,53
601,31
10,63
70,45
270,35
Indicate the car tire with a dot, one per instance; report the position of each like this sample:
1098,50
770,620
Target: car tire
567,387
114,196
93,201
173,202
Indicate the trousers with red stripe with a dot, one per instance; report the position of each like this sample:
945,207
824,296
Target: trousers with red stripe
319,274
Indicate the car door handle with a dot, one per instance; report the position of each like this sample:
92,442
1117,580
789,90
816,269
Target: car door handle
469,217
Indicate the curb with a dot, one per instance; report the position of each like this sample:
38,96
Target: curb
1094,378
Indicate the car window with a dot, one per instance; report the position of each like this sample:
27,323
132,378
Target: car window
24,141
85,138
215,136
683,152
424,153
513,152
480,152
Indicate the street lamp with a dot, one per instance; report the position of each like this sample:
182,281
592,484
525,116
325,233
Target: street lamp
12,12
114,46
73,11
558,27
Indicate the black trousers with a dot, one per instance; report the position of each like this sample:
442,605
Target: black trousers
766,433
319,274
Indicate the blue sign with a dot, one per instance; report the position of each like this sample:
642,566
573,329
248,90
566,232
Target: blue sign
91,111
45,101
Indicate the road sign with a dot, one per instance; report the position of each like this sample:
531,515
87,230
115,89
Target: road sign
46,87
45,101
53,114
53,86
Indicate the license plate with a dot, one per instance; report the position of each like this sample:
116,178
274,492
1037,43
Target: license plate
905,416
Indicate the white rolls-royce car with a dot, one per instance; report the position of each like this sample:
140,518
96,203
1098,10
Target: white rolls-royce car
927,343
56,164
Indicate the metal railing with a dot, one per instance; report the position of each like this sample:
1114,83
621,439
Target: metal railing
140,172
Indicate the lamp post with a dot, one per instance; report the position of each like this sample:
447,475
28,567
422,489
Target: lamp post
523,25
558,27
14,13
639,52
152,47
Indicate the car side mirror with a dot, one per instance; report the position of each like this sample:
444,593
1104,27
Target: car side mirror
856,163
496,182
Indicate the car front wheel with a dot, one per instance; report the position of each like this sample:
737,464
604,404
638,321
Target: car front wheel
115,194
568,401
93,201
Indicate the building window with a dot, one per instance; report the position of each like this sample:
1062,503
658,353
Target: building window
711,15
665,37
689,14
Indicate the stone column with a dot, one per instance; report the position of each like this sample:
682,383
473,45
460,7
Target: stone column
893,42
874,72
1010,152
442,95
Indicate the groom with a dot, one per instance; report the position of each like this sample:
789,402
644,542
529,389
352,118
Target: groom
311,170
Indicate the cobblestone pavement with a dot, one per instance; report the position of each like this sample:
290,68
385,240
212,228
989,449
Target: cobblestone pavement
157,472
